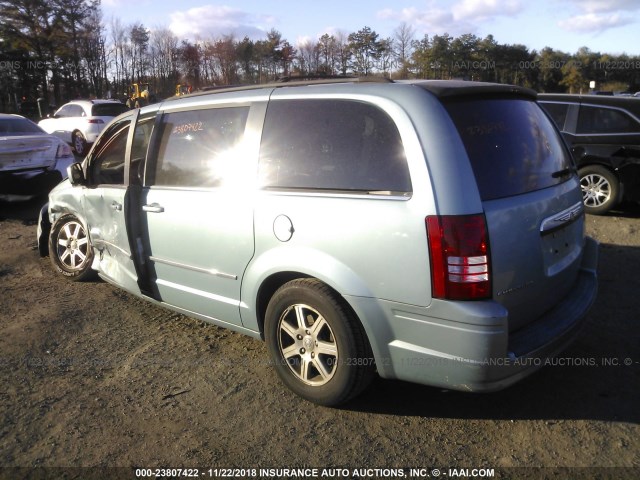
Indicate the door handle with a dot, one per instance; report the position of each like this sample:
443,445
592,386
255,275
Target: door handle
116,206
153,208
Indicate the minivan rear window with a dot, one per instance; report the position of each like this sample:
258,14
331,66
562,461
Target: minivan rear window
512,145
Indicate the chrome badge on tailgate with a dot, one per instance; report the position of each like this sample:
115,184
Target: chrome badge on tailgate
562,239
558,220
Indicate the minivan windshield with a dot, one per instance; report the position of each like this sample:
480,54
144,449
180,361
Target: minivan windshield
513,146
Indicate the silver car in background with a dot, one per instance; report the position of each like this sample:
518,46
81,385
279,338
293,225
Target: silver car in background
32,162
430,231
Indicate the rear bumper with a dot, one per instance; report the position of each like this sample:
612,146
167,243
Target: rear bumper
34,181
467,345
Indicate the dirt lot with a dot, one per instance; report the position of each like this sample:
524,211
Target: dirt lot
93,377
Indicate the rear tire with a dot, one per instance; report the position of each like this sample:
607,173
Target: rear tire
600,189
317,344
70,251
79,144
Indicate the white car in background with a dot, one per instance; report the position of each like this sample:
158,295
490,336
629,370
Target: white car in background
32,162
79,122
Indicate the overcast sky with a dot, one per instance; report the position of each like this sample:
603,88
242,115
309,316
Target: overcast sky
606,26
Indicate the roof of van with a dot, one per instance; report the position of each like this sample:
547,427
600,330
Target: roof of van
439,88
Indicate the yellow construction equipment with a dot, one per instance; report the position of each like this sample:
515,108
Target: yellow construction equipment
139,95
182,89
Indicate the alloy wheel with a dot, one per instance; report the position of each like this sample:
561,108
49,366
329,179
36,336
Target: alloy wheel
596,190
307,344
72,245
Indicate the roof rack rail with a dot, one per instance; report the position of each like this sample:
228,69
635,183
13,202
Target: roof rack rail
333,78
288,81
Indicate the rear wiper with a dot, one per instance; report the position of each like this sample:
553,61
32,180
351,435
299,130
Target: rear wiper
564,172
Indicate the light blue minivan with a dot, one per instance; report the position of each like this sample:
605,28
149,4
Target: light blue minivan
428,231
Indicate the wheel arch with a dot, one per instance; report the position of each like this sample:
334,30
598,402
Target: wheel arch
278,266
591,160
376,330
272,283
43,230
266,291
76,130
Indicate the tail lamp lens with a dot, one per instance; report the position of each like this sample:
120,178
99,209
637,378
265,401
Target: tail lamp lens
460,260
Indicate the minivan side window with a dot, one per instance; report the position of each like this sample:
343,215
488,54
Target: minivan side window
342,145
200,148
107,166
605,120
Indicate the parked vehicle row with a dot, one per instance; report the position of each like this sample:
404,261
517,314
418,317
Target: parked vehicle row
428,231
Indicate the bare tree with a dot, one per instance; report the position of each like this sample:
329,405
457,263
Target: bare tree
386,56
308,57
118,52
163,48
403,40
342,51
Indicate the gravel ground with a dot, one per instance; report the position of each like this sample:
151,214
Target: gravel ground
94,379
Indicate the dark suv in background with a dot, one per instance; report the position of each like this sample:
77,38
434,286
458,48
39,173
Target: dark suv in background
604,135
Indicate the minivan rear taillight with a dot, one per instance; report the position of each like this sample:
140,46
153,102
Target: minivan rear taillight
460,260
95,120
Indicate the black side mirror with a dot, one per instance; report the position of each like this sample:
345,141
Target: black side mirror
75,174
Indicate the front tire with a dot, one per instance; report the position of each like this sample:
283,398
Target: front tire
70,250
317,344
600,189
79,144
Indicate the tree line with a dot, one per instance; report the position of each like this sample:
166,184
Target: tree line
63,49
